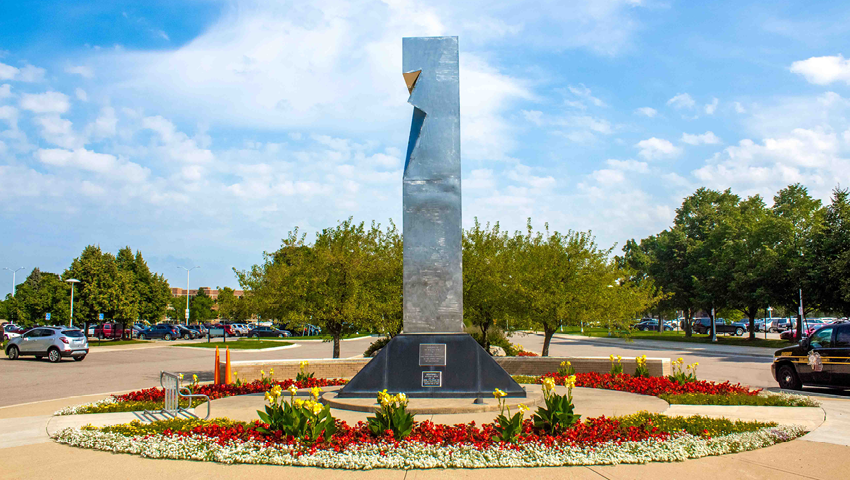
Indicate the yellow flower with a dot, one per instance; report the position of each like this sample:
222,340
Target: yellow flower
568,363
298,403
181,376
619,359
262,373
317,408
277,390
680,360
315,392
499,394
195,378
548,384
303,364
522,408
612,357
570,381
292,390
271,372
235,374
402,398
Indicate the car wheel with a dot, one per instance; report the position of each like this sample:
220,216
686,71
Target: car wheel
255,336
167,336
739,332
279,335
53,355
142,336
80,358
788,378
13,353
186,336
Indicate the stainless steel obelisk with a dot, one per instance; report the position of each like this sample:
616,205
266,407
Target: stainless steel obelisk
433,277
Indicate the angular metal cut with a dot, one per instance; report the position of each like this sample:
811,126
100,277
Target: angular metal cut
410,79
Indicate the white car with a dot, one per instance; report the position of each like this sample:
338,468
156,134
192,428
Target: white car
10,331
241,328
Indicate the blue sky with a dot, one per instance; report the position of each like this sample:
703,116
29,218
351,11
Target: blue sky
200,132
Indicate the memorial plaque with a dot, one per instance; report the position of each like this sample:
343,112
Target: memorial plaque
432,354
432,379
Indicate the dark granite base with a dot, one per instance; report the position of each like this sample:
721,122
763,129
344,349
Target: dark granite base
469,372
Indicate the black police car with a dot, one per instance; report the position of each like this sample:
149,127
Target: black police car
823,359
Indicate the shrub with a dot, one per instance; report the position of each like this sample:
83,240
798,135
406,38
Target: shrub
558,414
566,369
392,415
683,375
695,425
303,375
376,346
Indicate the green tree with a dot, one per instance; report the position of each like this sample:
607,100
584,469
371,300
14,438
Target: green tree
231,306
201,307
329,283
39,294
831,256
489,286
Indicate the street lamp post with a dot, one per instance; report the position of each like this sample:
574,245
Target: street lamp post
13,277
72,281
187,289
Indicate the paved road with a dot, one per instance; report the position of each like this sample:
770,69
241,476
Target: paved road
116,369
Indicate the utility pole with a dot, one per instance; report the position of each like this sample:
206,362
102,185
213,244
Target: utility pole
187,289
800,318
72,281
713,325
13,277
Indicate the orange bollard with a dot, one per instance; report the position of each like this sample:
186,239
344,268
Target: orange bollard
227,367
217,373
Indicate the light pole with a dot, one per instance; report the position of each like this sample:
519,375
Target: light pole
72,281
13,277
187,289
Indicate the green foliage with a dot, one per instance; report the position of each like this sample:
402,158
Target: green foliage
558,414
138,428
391,415
641,369
507,426
342,282
305,420
230,306
695,425
681,374
303,375
739,399
616,364
566,369
39,294
376,346
201,308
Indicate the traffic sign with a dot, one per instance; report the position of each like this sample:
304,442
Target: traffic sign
47,316
100,316
187,314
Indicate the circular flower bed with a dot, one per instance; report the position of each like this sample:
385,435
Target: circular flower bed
638,438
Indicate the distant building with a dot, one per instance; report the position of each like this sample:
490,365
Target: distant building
181,292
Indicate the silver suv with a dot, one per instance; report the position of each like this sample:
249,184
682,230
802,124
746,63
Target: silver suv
51,342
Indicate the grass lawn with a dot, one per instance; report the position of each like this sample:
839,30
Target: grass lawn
679,336
244,344
109,343
329,338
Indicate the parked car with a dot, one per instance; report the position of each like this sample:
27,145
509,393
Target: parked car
268,332
651,324
109,330
51,342
223,326
187,333
821,359
164,331
10,331
90,330
703,325
781,324
809,328
200,329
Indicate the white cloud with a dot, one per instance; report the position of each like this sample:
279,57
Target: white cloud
823,70
31,73
176,145
608,176
808,156
711,107
739,108
522,174
480,179
48,102
648,111
8,72
629,165
583,92
533,116
10,115
5,91
657,148
81,70
707,138
106,124
682,100
59,131
100,163
81,95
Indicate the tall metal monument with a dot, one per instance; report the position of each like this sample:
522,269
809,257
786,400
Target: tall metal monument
433,279
433,357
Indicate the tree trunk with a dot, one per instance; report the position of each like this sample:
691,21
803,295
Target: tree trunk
485,340
752,315
547,338
336,344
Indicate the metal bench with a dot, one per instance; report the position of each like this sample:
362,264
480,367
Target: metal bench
170,383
